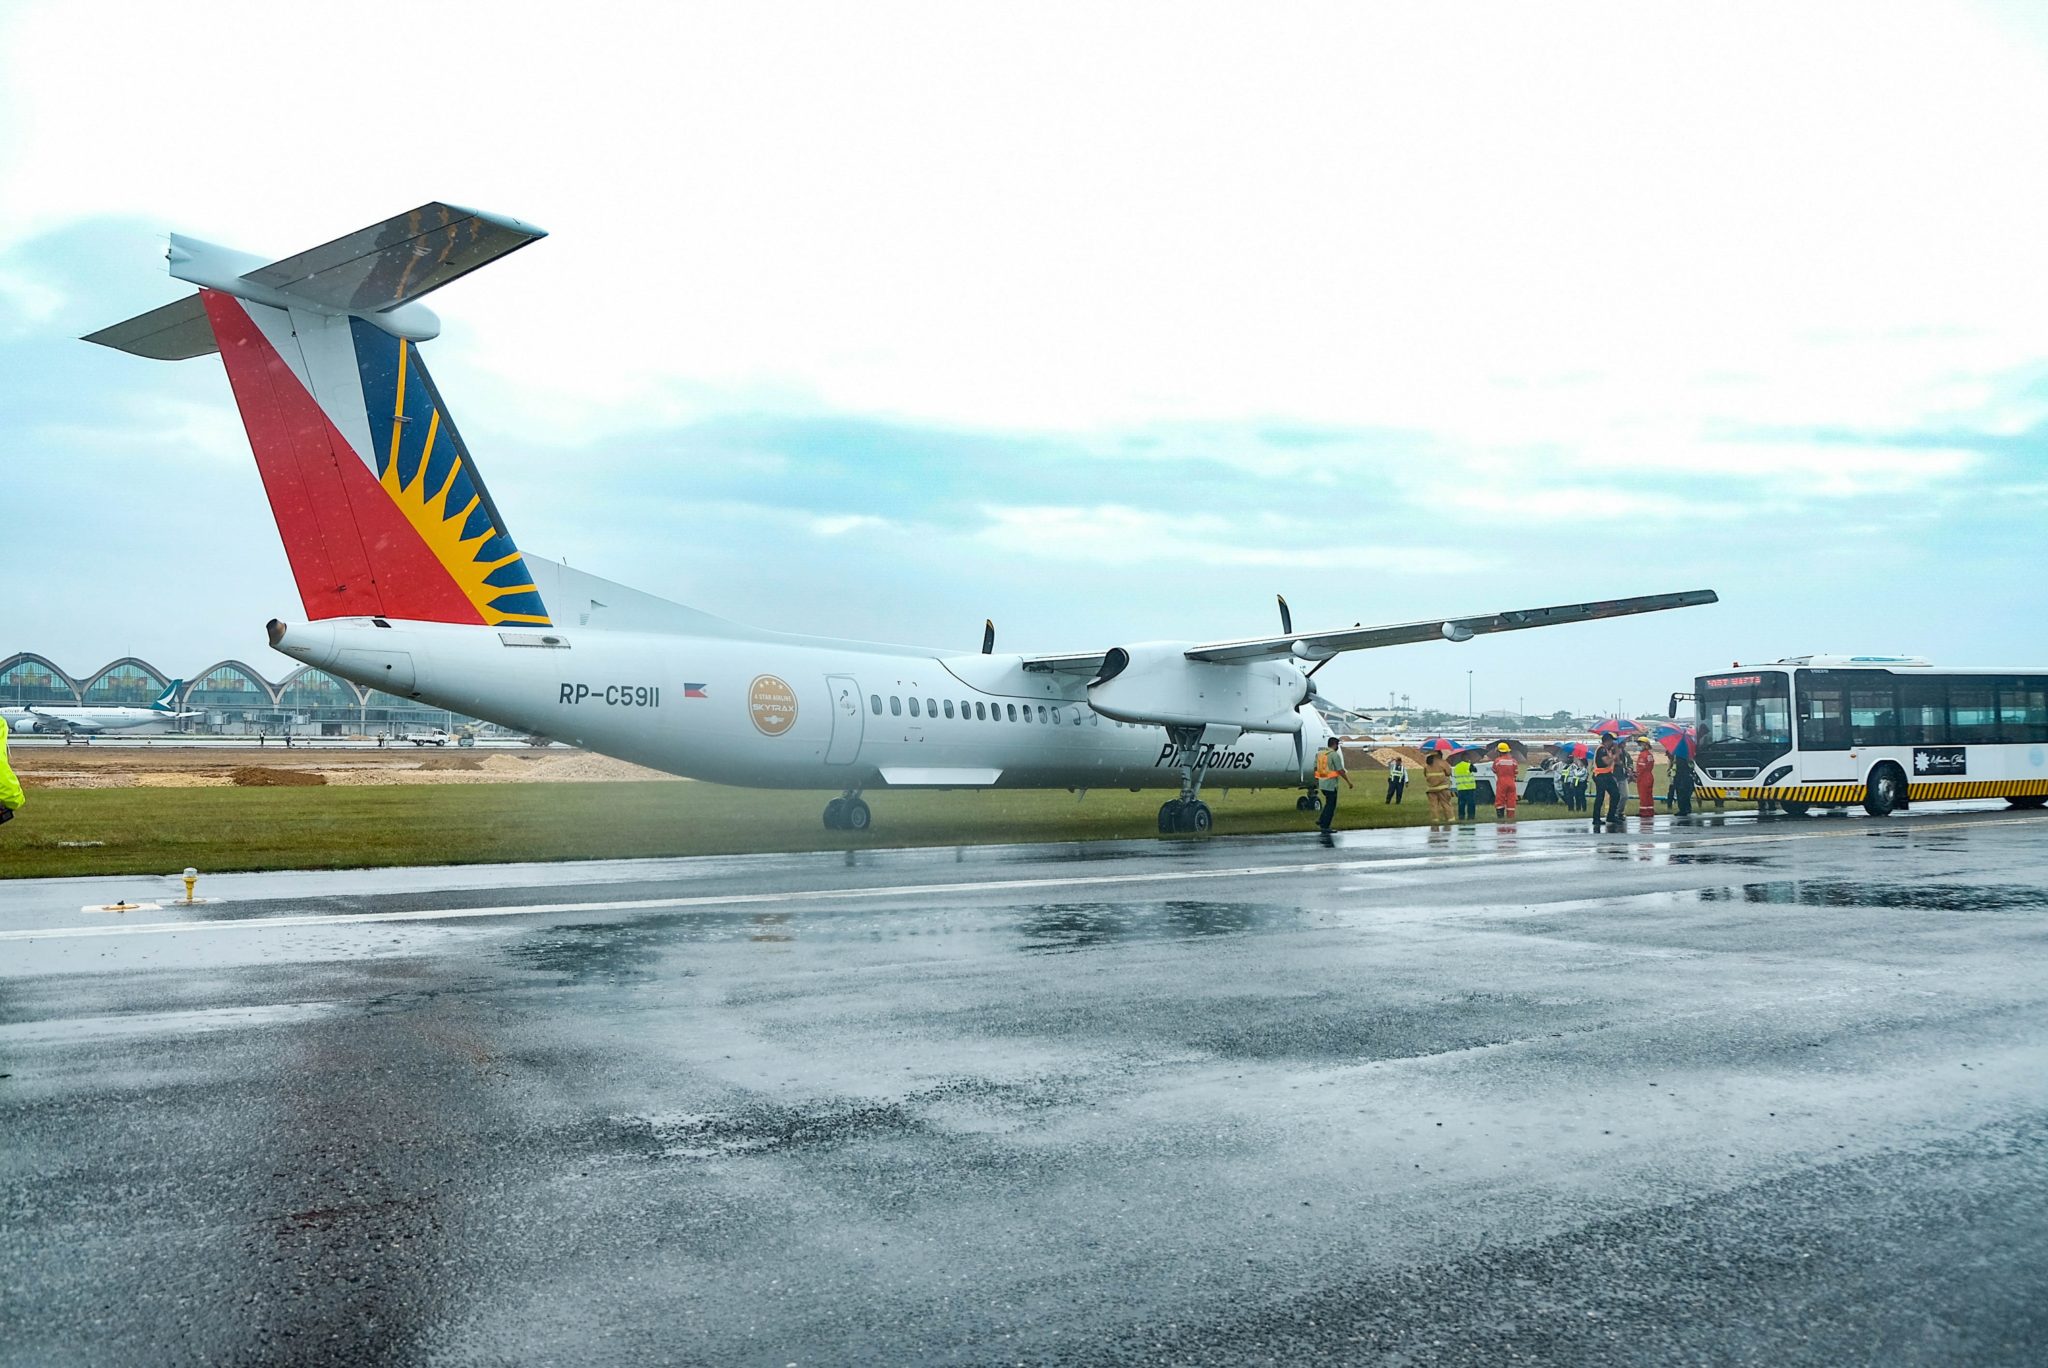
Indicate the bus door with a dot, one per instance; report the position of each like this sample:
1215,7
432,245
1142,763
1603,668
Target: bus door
1823,729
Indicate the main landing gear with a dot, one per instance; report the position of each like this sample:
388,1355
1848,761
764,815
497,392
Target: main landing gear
1187,812
847,813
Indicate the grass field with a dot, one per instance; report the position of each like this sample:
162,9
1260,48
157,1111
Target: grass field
162,830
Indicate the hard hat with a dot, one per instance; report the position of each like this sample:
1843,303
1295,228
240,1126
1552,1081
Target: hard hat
1503,745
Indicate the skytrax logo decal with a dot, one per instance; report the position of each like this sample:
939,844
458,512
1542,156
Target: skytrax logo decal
1202,757
772,705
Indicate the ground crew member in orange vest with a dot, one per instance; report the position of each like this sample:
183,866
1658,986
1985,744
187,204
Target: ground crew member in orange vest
1329,769
1646,780
1504,783
11,796
1607,780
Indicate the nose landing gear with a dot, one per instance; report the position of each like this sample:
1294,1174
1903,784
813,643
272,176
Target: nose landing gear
847,813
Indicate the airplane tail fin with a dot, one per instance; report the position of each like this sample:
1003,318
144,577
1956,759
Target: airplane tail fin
380,506
167,700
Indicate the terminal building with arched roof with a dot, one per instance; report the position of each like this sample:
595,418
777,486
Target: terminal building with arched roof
229,697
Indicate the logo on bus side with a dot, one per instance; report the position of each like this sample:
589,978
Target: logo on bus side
1940,760
772,705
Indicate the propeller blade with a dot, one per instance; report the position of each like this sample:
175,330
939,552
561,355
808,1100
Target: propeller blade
988,636
1300,764
1286,615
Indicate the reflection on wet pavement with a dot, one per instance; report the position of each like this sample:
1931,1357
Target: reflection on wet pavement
1709,1093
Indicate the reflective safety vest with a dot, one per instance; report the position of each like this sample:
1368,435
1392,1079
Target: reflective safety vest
1327,769
11,795
1462,776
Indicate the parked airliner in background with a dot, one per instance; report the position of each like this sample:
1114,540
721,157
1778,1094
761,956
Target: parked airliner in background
32,719
412,584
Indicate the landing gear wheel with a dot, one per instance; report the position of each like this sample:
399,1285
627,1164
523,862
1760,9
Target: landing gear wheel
1169,815
2028,800
1308,802
1195,817
835,814
1886,791
857,815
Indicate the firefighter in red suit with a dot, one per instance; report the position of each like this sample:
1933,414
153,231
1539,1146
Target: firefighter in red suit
1646,780
1504,783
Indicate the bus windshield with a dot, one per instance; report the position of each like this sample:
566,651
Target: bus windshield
1745,718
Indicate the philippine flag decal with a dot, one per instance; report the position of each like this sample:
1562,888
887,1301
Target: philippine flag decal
693,691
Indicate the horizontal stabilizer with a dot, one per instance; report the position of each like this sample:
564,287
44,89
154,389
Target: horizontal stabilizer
400,259
176,332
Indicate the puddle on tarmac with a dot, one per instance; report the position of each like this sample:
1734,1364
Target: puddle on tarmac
1936,897
593,952
1074,926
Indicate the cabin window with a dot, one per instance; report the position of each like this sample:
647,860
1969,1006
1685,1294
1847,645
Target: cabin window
1027,712
931,707
949,707
895,706
1972,716
980,713
875,702
1042,715
913,707
1013,710
2023,712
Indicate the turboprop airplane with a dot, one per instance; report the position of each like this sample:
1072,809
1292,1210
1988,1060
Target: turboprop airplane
412,584
31,719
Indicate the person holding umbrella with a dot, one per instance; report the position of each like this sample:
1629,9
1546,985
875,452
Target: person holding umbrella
1607,781
1436,786
1646,778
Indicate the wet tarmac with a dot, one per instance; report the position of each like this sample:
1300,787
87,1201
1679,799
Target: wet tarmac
1732,1093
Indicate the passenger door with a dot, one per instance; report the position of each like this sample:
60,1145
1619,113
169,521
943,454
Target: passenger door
847,721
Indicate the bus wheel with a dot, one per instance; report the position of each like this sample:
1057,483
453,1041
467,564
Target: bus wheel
1886,791
1792,809
2029,800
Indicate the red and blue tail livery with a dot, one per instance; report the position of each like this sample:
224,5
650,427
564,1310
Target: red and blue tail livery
381,508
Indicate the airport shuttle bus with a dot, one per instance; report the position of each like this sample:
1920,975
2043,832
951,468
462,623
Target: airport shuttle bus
1880,731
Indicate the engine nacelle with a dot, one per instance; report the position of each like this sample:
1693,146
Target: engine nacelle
1155,684
28,726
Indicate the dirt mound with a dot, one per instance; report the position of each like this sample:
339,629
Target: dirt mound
253,776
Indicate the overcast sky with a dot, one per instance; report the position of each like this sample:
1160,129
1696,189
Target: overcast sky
1109,322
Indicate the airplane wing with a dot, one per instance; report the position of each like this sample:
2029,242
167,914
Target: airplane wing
1323,645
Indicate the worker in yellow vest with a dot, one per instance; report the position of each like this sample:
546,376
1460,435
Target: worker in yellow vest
1465,783
1329,769
11,796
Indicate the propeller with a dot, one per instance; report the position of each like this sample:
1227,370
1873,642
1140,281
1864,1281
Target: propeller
988,636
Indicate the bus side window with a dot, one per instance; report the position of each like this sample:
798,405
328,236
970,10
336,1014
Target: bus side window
1923,712
1821,723
1972,714
1873,718
2023,711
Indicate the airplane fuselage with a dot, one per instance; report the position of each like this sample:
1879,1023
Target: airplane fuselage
787,713
31,718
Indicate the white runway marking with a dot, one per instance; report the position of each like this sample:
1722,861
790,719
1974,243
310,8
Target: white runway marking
1356,867
790,896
